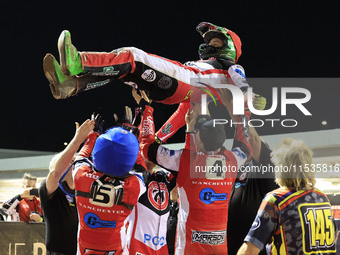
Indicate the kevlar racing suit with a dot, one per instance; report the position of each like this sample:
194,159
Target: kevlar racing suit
174,123
164,80
150,215
103,204
203,195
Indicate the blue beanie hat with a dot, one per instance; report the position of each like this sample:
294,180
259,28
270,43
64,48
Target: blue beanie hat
115,152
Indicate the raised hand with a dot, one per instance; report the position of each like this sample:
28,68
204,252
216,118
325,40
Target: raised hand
98,123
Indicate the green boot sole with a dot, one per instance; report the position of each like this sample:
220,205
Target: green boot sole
70,59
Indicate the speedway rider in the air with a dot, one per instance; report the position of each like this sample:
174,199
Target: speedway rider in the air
164,80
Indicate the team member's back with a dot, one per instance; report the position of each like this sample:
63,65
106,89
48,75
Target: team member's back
105,191
296,218
206,173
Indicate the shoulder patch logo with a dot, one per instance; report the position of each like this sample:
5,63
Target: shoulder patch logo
149,75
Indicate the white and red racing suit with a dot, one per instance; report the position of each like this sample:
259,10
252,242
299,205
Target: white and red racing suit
103,210
174,123
203,194
150,215
166,81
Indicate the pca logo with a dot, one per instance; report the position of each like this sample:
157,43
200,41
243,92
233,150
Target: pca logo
158,195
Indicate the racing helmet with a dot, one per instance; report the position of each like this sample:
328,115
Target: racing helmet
212,136
115,152
231,48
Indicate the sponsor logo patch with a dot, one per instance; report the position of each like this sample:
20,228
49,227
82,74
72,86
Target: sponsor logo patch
147,127
165,82
209,237
209,196
256,224
69,199
93,221
149,75
97,84
166,130
239,184
239,71
158,195
109,70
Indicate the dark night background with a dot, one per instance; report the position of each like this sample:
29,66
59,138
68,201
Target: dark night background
280,39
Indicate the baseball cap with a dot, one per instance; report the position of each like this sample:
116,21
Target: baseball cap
115,152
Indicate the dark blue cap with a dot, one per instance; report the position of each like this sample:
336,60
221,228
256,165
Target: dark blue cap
115,152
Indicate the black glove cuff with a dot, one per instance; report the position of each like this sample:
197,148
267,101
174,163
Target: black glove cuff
143,103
